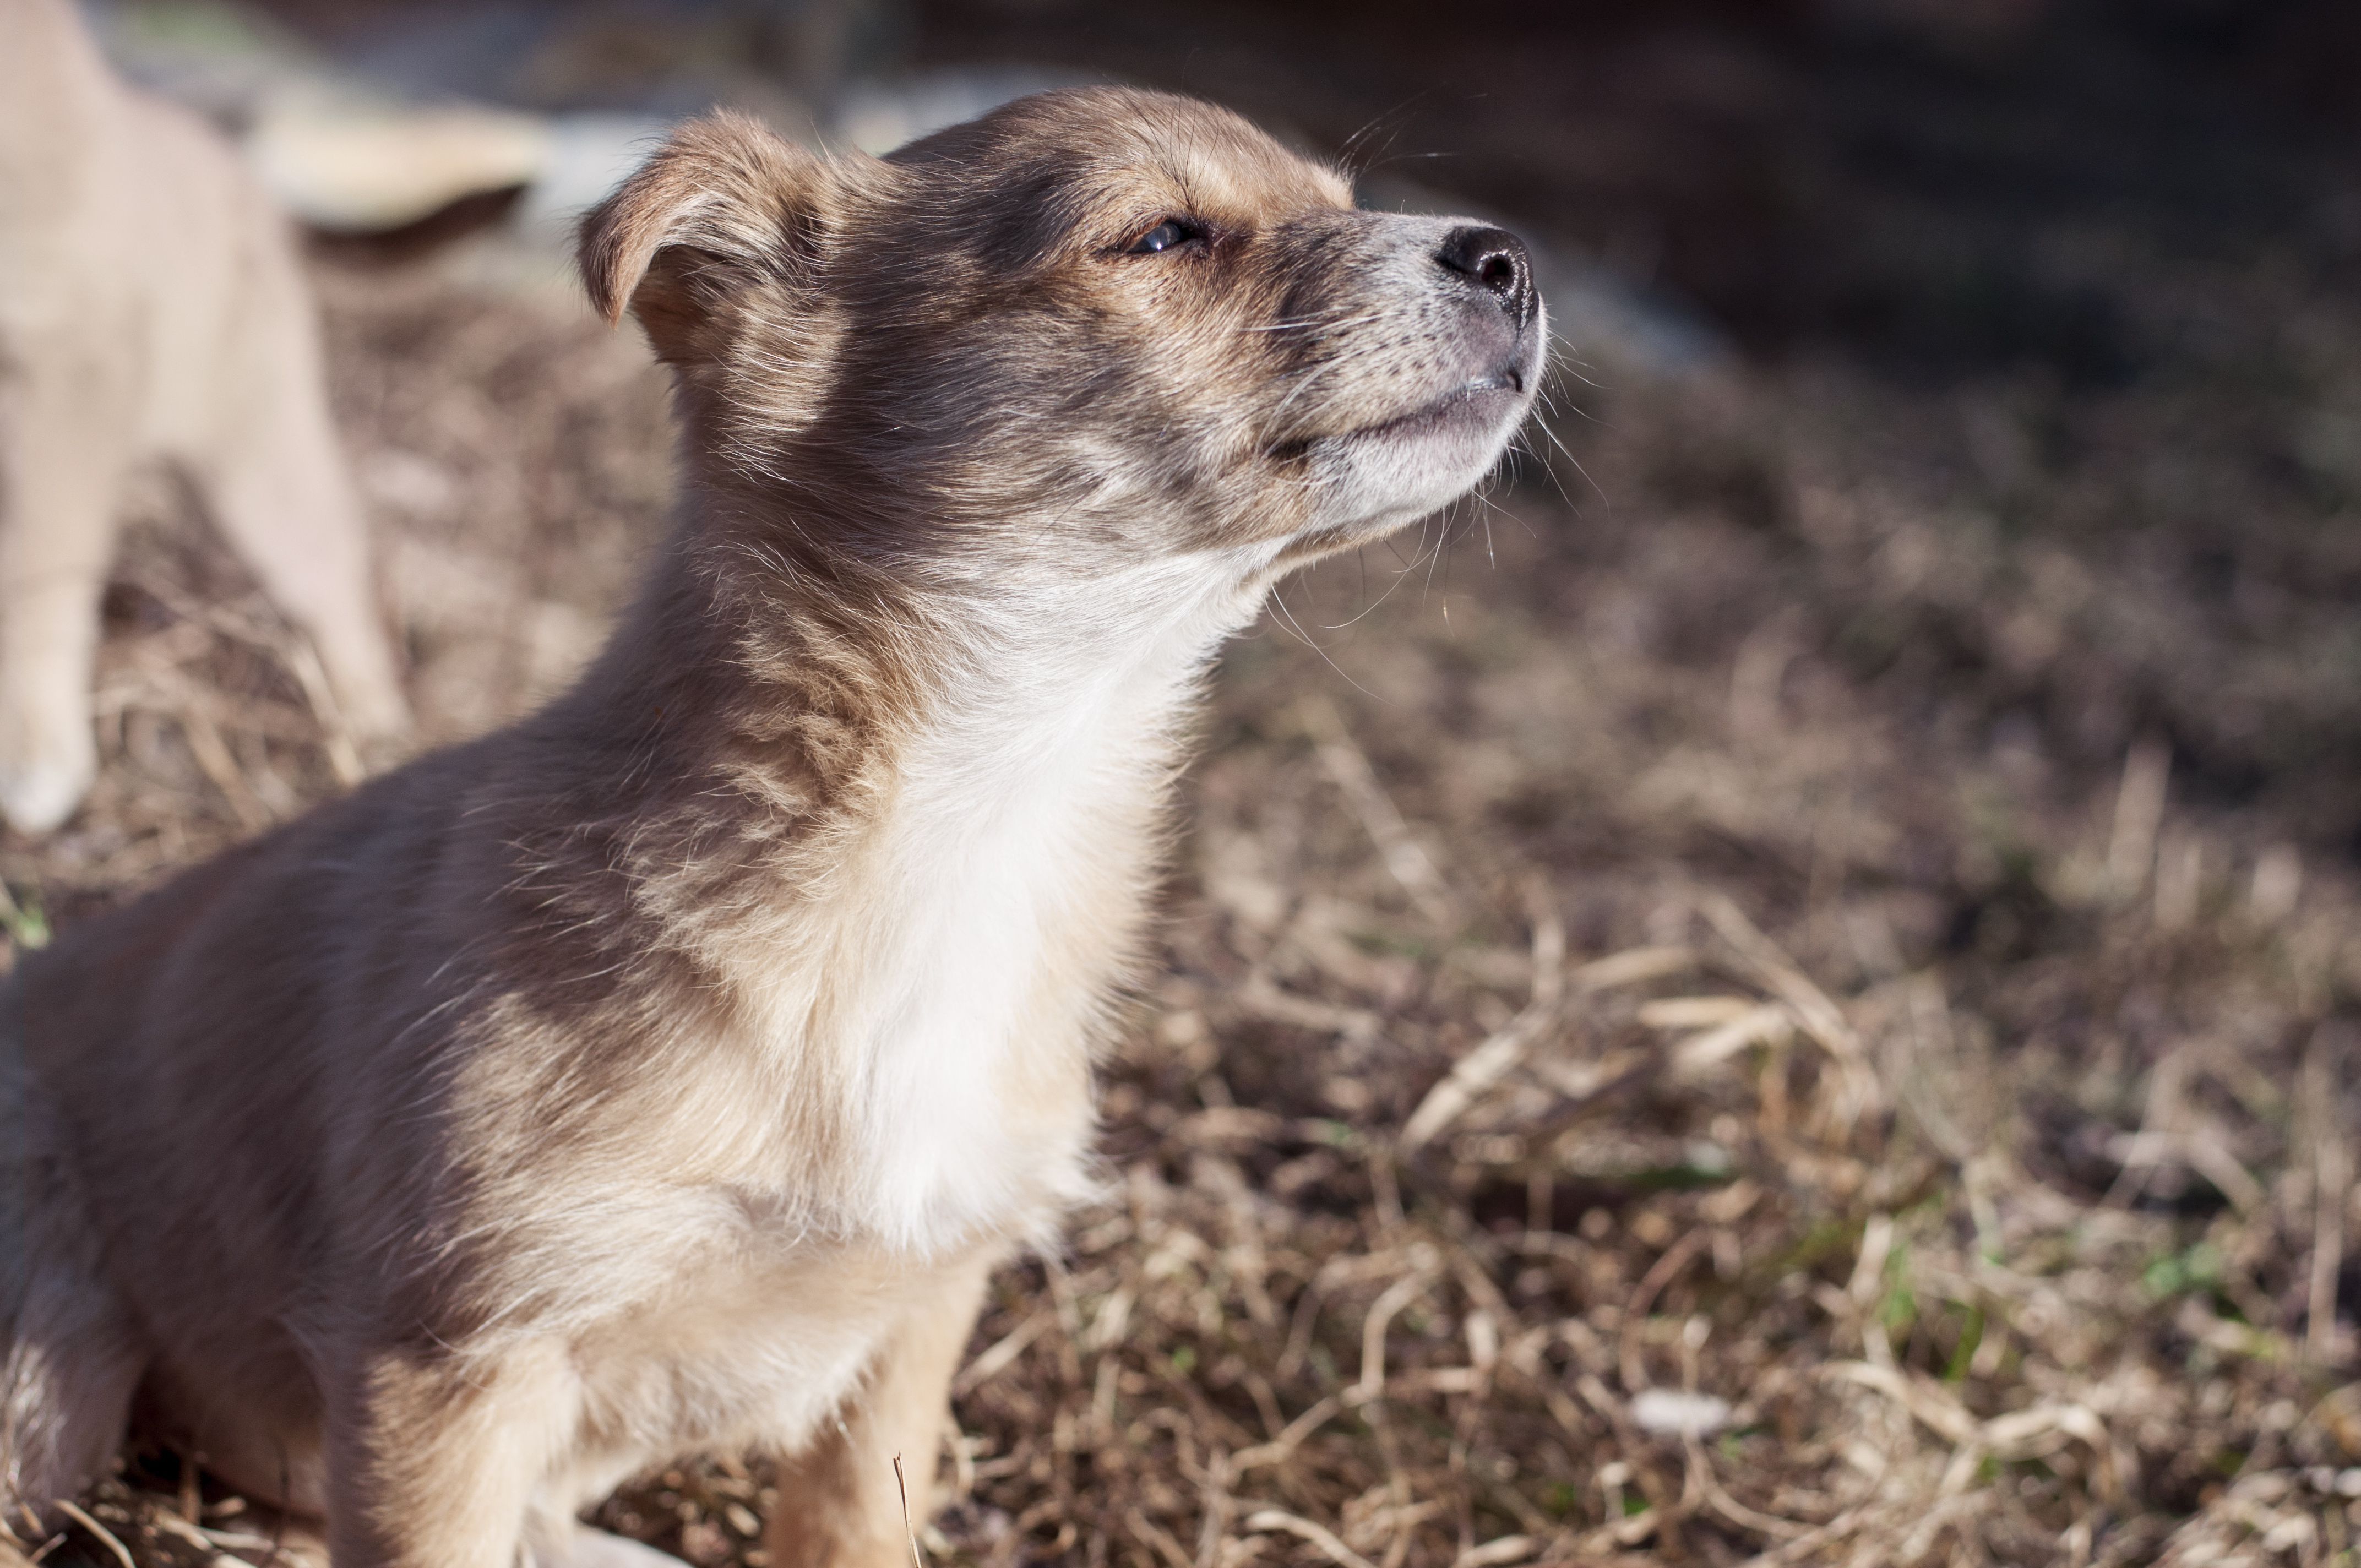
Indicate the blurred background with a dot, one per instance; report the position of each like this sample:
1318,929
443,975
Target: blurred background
1782,983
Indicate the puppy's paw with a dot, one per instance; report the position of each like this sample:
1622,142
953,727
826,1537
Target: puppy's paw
302,1551
47,763
583,1547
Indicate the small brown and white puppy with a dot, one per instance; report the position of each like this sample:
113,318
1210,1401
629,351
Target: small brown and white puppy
663,1074
151,308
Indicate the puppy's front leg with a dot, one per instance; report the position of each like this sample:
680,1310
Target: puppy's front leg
839,1506
433,1458
278,487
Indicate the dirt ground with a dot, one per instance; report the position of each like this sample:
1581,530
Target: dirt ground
1783,986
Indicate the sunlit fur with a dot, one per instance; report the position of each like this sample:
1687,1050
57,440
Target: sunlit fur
152,310
661,1075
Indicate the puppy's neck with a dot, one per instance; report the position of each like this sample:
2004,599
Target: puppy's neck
771,669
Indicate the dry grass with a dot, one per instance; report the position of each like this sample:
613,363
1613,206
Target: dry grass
1590,980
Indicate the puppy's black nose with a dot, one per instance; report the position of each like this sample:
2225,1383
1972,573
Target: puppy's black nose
1495,260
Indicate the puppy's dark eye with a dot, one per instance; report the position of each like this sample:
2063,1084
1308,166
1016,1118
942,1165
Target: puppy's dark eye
1165,236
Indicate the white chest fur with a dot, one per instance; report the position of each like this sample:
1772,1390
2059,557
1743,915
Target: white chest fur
989,909
975,990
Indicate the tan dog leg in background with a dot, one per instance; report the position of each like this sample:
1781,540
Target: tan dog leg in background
64,443
840,1503
278,487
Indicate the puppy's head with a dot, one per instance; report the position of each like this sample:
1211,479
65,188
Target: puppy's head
1090,326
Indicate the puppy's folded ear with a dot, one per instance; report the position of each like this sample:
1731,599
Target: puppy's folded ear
724,210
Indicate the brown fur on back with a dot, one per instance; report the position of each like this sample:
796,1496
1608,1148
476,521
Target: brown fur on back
662,1074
